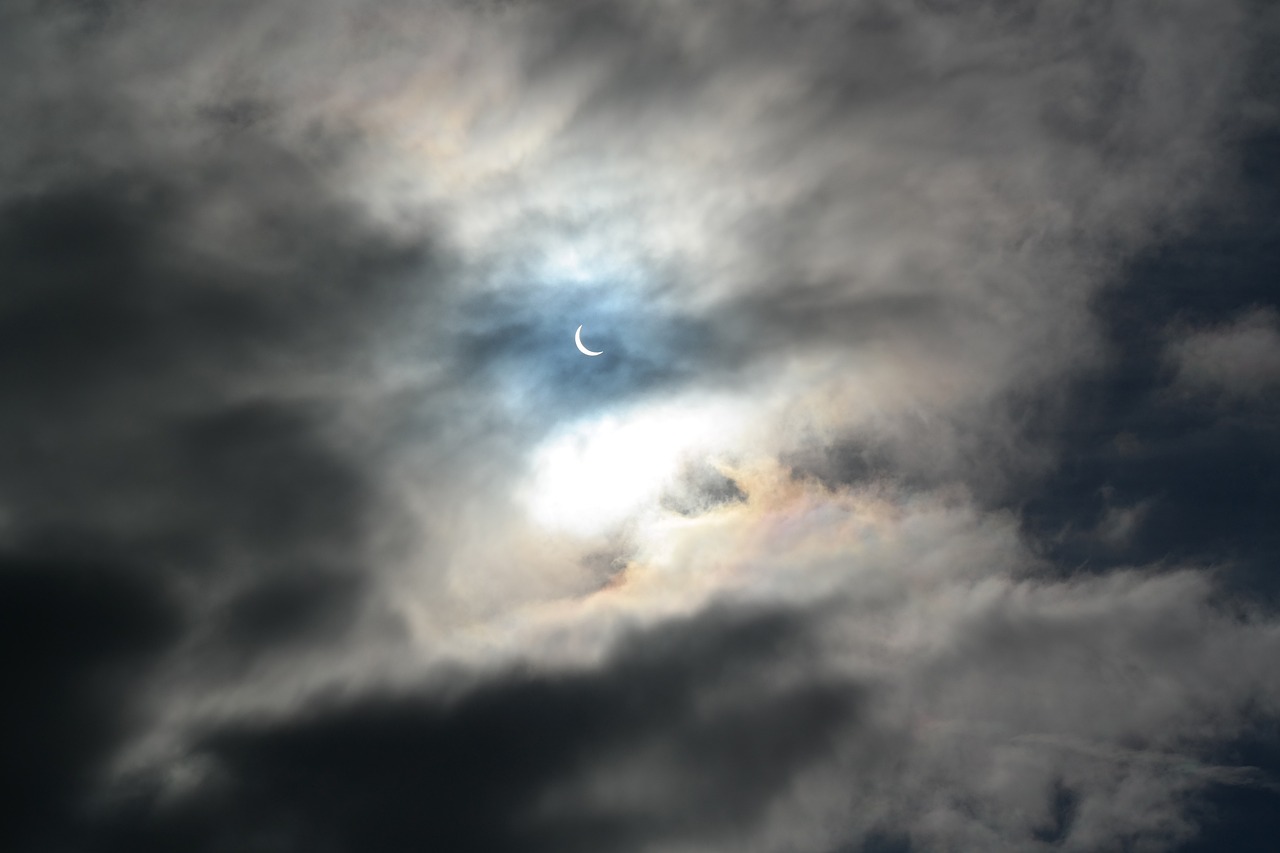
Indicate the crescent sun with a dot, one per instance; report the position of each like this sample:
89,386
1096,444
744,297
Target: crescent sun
577,339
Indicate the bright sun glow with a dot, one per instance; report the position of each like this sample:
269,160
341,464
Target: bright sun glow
597,473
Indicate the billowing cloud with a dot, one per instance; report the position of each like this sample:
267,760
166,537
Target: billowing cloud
883,522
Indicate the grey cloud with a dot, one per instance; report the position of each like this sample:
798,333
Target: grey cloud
700,488
80,641
289,296
474,772
171,393
1238,360
1075,715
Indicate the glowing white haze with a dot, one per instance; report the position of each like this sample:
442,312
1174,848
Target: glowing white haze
594,474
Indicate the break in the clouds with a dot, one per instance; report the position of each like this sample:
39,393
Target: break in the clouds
922,499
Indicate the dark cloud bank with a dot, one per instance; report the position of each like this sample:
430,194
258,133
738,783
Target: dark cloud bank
183,503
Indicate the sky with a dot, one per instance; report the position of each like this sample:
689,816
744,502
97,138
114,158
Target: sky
923,497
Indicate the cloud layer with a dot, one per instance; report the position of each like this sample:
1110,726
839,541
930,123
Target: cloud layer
920,501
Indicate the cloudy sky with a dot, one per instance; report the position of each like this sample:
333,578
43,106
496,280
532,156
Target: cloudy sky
923,498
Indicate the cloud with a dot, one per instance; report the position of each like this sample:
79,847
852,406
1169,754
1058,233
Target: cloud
875,525
473,771
952,703
80,640
1237,360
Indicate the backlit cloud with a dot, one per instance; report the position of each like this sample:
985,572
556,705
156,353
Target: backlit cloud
922,498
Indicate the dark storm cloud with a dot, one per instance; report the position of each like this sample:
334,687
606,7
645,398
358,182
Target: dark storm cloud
128,351
166,317
158,416
397,772
159,384
79,640
126,437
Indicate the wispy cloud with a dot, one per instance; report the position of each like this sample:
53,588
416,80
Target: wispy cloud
318,531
